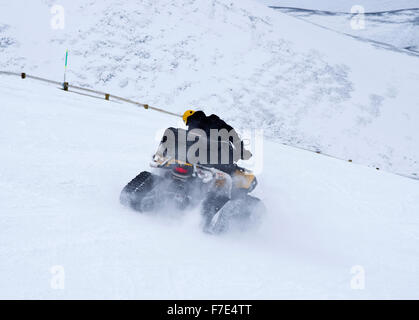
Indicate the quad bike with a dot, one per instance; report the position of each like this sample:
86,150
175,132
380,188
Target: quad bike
224,197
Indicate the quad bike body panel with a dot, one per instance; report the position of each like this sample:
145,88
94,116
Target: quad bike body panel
178,185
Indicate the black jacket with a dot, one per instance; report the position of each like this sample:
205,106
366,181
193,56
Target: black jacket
200,121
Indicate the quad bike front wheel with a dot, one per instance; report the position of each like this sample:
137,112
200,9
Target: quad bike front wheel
222,214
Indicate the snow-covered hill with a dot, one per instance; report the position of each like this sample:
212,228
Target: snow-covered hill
255,67
65,157
344,5
398,29
392,24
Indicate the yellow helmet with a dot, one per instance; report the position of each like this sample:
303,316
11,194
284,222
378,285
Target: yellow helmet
186,115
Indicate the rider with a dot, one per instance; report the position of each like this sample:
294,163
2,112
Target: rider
199,120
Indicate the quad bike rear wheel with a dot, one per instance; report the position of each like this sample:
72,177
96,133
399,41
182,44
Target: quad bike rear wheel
137,190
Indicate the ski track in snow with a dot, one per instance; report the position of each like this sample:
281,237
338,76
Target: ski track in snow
66,157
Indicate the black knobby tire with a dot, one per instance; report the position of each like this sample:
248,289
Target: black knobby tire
136,189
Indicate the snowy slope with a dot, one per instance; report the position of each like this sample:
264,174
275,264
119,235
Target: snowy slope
344,5
255,67
65,157
398,29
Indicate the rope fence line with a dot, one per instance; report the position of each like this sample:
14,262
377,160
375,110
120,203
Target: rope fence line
108,96
413,176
